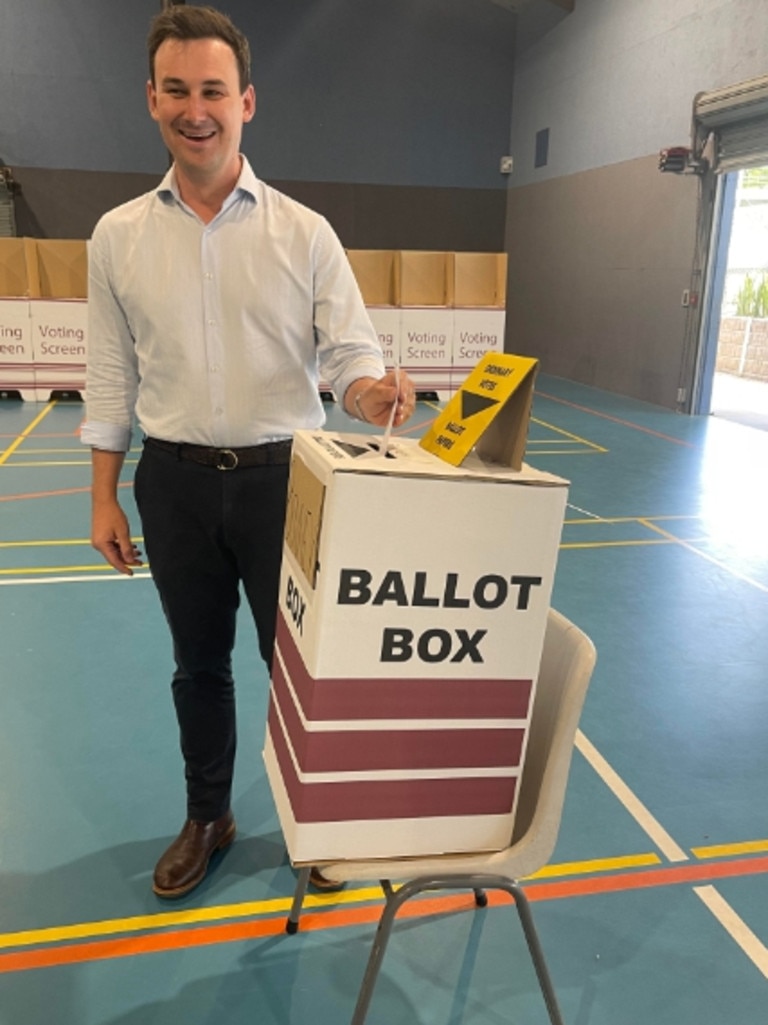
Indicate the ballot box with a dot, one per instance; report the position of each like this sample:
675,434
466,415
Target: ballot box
413,600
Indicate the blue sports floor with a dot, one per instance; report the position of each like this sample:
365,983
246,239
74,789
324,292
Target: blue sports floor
654,910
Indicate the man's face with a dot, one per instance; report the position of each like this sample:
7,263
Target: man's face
197,103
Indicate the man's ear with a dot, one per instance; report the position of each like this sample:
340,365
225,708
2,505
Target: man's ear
152,99
249,104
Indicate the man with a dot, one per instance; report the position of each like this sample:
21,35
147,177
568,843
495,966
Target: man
212,300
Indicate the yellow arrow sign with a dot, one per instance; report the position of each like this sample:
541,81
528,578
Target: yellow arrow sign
490,413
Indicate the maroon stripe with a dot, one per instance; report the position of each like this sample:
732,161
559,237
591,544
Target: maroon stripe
388,799
399,698
369,750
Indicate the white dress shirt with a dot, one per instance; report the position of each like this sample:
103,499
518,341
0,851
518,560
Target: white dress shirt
212,334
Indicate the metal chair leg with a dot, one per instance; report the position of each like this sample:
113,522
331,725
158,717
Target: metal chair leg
292,924
478,883
393,902
537,954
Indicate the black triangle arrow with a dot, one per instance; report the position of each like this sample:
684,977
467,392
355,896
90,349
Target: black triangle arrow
472,404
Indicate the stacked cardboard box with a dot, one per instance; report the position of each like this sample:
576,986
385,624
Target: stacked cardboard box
436,313
59,312
17,365
43,317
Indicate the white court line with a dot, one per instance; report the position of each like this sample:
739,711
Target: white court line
73,580
735,926
704,555
584,512
651,826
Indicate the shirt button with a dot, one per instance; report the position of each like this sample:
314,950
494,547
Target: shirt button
214,368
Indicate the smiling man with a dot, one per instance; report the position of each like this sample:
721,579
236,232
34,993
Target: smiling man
215,302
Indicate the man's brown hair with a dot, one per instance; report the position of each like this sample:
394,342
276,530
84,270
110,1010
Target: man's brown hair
181,21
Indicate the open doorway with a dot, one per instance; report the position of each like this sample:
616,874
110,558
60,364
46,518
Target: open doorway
739,388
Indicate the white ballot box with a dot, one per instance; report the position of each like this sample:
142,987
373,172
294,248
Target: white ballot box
413,602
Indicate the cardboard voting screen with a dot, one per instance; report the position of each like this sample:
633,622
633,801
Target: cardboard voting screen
489,413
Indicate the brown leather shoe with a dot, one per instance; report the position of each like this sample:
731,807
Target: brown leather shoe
322,883
185,862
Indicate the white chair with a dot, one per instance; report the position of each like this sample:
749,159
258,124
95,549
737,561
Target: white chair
566,668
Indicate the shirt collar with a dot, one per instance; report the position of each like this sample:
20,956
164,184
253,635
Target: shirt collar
247,184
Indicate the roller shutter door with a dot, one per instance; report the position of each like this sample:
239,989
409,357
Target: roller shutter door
738,118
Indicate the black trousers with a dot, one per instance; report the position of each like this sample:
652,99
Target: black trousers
206,531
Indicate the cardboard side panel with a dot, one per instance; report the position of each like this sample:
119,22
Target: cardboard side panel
382,746
426,343
311,842
388,325
476,333
15,336
62,266
364,799
397,697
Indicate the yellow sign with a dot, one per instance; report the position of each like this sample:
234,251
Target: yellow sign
489,413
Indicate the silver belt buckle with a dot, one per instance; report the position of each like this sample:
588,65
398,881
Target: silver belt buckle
230,455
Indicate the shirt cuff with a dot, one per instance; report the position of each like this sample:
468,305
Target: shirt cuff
109,437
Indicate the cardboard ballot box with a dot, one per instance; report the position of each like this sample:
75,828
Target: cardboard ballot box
413,602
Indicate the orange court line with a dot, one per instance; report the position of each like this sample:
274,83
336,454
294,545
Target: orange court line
616,420
54,494
178,939
49,434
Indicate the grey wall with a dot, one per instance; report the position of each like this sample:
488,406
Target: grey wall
402,96
601,243
596,276
391,118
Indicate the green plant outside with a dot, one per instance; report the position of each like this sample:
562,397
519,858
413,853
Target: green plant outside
752,300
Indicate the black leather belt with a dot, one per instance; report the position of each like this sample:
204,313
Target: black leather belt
272,453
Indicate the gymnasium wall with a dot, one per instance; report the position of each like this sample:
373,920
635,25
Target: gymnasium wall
601,244
390,118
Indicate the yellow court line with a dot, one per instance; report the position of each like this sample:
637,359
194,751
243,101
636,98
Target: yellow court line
572,868
53,569
253,909
42,544
353,896
20,570
725,850
59,451
17,464
25,433
192,916
625,544
549,441
591,520
566,452
569,434
55,542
